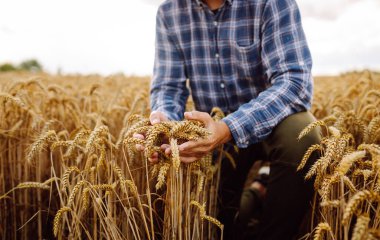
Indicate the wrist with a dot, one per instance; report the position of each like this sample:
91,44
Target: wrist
224,131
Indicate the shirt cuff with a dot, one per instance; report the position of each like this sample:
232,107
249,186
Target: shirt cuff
237,130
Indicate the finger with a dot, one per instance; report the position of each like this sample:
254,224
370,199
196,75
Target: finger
157,117
197,152
164,146
200,116
186,146
153,158
140,147
193,154
188,159
139,136
192,145
168,151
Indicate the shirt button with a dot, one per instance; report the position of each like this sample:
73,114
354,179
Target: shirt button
217,55
222,85
215,23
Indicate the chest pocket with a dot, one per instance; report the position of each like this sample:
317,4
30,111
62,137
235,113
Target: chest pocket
246,49
247,59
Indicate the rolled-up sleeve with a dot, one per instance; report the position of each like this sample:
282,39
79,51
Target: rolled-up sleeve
168,92
287,63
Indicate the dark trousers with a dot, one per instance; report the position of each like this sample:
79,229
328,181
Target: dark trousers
288,194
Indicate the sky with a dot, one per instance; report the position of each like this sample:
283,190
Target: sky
106,37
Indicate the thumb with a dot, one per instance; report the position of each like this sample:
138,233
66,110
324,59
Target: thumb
200,116
157,117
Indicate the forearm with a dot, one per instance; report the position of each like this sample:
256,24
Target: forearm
255,120
168,93
169,100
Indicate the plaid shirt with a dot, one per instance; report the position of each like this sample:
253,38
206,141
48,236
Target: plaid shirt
250,58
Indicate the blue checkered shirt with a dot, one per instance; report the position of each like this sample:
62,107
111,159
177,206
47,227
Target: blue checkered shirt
250,58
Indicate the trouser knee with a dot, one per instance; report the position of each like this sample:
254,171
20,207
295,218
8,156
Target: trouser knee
283,144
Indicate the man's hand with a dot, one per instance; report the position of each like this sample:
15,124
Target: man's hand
155,117
193,150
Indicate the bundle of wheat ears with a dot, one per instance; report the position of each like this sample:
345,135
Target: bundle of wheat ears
69,167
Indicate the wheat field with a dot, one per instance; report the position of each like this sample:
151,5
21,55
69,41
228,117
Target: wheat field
69,168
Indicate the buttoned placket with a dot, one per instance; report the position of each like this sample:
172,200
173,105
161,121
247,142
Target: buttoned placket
218,59
215,25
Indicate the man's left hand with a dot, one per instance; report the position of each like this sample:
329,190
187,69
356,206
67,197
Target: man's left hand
194,150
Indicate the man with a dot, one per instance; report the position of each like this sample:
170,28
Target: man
250,58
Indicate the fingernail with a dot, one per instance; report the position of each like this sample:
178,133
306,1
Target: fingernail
188,114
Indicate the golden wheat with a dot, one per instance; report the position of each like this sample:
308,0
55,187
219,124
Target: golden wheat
78,133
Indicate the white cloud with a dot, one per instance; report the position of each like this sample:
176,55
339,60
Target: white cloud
153,2
331,9
80,36
5,30
350,41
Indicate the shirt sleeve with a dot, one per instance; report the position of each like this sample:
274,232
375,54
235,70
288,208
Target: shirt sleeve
168,92
287,63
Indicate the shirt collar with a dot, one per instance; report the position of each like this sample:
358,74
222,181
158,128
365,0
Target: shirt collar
201,3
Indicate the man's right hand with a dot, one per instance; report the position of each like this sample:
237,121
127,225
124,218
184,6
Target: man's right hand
155,117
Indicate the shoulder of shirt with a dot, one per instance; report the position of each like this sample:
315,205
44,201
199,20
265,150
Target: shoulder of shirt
173,5
277,5
257,3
